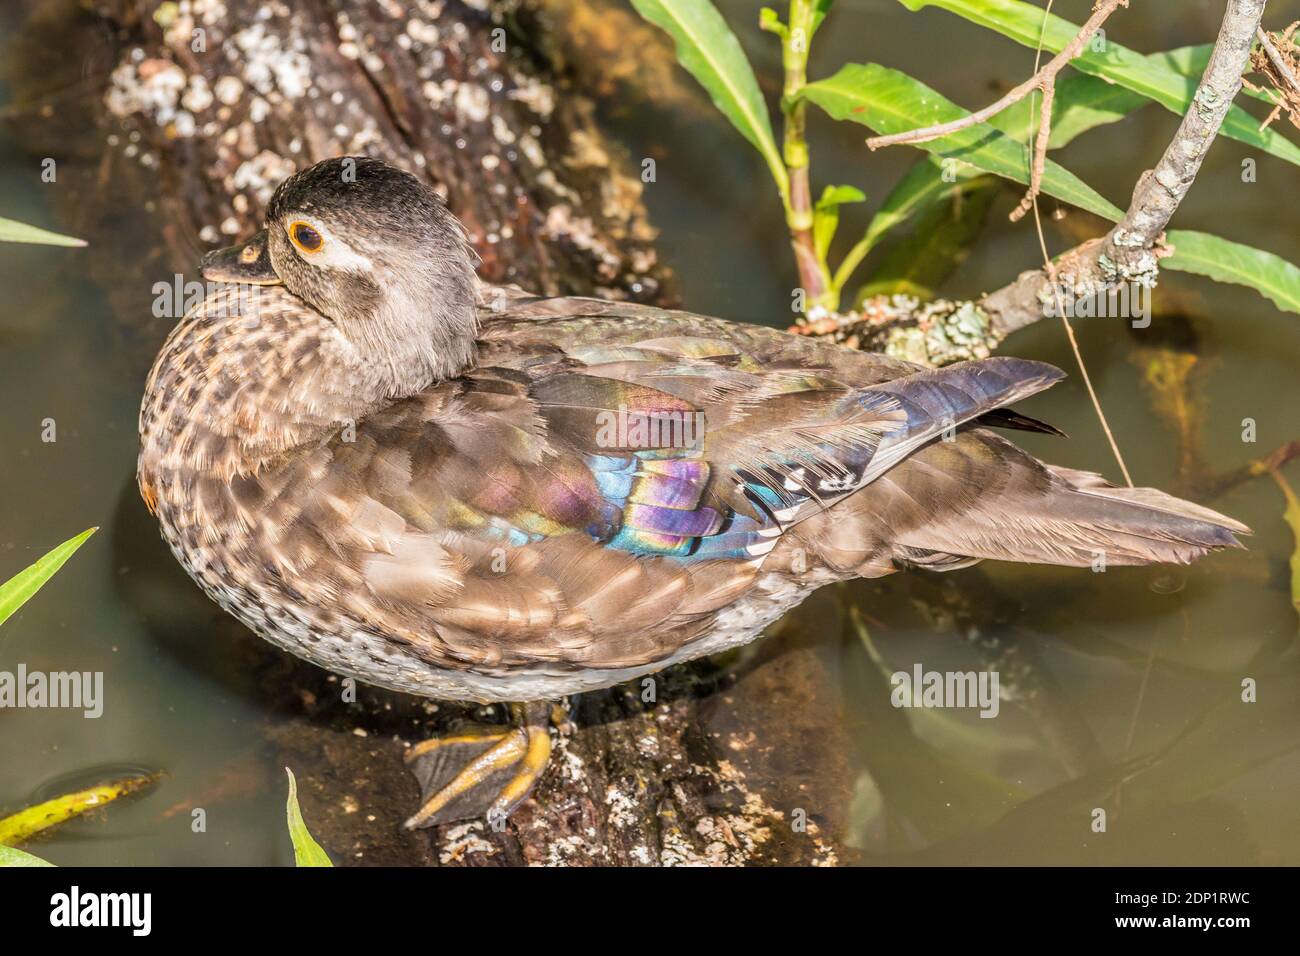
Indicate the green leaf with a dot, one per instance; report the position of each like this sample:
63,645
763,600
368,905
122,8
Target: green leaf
826,214
1192,61
1184,60
306,851
1269,275
938,244
710,52
839,195
1149,76
770,22
16,592
920,186
892,102
1082,103
14,231
820,9
11,857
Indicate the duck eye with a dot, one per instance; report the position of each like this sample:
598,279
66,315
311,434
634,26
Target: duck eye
305,237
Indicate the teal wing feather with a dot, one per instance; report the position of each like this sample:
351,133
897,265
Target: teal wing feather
689,447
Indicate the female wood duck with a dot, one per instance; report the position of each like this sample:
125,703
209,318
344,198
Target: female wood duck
545,496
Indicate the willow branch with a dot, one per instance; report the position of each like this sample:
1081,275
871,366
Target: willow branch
1130,253
945,331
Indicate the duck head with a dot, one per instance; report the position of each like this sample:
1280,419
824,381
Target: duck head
374,250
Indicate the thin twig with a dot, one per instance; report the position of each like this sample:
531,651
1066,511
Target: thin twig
1031,202
1041,142
1041,80
1277,68
1220,484
1283,68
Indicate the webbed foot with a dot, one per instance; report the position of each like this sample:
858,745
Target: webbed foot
482,771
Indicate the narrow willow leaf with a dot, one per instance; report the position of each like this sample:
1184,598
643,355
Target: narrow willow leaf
13,231
306,851
1269,275
1082,103
826,214
11,857
892,102
15,592
937,245
820,9
839,195
920,186
710,52
25,824
1185,60
1024,23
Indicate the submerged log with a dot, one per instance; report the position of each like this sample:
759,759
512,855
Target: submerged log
171,124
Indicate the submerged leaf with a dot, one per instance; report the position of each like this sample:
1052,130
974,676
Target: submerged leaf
889,101
1167,377
15,592
1269,275
938,795
1292,517
23,825
306,851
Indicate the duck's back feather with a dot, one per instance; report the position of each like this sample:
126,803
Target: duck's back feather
499,523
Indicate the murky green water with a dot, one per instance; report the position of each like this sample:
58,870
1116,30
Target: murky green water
1108,669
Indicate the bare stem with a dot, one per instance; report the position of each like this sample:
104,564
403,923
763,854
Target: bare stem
814,276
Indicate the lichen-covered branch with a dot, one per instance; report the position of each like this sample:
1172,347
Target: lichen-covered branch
944,331
1132,249
1127,250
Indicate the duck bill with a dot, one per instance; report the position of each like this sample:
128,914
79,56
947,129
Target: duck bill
248,263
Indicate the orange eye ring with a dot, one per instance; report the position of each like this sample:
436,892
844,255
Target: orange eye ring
305,237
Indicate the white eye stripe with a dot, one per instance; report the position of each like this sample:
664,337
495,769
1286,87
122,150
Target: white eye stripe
333,253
